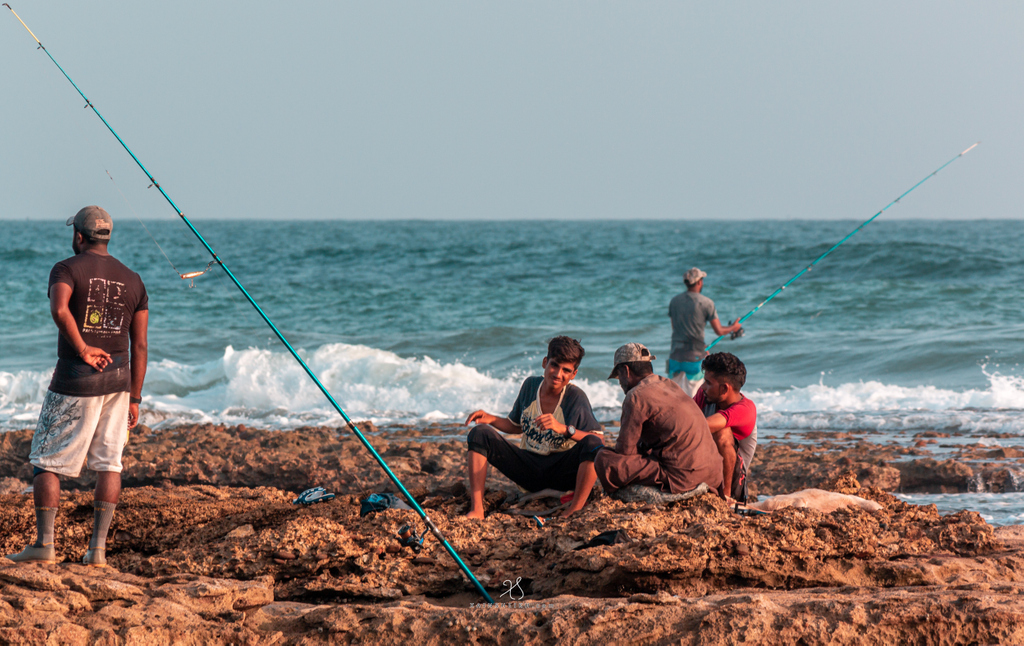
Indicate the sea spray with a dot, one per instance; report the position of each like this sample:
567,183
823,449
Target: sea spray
976,484
1014,482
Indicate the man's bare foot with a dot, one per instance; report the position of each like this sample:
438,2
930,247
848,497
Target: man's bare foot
475,514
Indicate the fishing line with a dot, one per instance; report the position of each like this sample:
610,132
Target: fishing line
836,245
217,260
190,276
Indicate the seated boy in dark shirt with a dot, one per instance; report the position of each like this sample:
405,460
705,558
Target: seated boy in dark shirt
560,436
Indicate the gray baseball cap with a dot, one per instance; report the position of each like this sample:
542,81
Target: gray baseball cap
629,353
692,276
93,222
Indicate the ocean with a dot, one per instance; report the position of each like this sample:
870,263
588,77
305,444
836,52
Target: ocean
910,326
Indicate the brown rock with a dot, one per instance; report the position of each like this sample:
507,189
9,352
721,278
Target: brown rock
1003,453
215,596
241,532
103,589
34,576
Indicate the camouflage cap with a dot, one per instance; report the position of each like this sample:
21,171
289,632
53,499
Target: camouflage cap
629,353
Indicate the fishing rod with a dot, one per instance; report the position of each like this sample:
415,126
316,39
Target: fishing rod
216,259
836,245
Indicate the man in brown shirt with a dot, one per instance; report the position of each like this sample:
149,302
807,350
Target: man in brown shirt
664,440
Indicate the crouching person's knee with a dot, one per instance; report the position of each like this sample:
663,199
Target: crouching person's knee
591,445
481,437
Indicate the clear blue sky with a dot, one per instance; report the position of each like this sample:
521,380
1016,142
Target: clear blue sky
487,110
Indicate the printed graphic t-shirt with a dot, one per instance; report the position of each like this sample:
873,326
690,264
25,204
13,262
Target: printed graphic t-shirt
105,295
690,313
573,409
741,417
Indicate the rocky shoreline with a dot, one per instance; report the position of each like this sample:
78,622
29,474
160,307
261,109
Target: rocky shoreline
207,547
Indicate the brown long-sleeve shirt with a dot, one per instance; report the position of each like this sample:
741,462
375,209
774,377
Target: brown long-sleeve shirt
661,423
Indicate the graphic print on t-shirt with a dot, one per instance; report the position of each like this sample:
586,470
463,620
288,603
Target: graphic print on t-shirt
105,307
573,407
538,440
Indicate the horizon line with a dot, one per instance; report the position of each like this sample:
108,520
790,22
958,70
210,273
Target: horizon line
171,217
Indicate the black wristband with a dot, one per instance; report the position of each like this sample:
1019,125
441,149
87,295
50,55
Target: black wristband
134,400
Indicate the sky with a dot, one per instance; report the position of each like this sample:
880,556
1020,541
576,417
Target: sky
514,110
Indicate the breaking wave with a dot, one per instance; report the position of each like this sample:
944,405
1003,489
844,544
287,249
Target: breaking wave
269,389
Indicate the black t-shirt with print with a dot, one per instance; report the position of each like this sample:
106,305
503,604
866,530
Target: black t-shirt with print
573,410
105,295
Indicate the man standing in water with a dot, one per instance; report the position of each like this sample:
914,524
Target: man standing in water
560,436
101,311
690,312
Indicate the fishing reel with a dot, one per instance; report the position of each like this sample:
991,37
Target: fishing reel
408,538
737,334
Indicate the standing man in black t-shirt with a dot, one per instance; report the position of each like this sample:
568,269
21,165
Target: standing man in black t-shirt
559,436
102,313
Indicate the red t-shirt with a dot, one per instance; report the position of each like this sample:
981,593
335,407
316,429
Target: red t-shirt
741,417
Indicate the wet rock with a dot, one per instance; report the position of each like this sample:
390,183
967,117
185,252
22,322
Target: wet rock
930,475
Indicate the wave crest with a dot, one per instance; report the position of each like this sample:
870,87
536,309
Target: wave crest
270,389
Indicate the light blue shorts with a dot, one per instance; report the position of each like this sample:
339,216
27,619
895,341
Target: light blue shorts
691,368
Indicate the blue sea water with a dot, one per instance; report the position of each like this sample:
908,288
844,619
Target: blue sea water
909,326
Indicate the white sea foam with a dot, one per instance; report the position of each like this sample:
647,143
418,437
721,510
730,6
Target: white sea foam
269,389
873,405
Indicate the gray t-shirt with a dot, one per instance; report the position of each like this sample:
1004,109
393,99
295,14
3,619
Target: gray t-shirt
690,313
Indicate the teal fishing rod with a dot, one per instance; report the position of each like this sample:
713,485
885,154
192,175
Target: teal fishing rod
362,438
836,245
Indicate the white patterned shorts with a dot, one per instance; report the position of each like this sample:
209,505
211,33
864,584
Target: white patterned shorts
73,431
688,386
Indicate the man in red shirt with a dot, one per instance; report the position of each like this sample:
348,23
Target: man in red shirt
732,418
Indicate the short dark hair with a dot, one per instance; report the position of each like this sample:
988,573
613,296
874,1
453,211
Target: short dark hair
727,366
563,349
639,368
